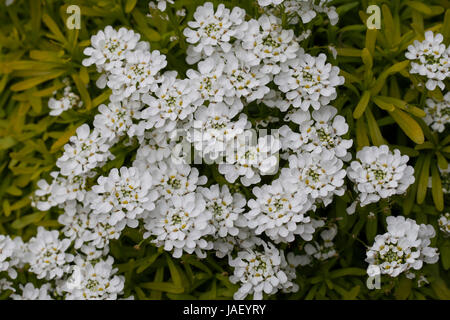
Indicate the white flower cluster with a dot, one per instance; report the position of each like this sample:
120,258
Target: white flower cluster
261,271
236,60
10,255
68,100
92,281
405,247
438,113
304,10
379,173
321,249
431,59
237,64
444,223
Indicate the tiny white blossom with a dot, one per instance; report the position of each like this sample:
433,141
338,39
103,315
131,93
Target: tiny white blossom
379,173
264,271
124,195
47,254
438,113
430,58
180,225
309,81
444,223
402,249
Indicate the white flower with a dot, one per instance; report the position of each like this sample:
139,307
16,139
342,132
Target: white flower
172,179
249,161
93,281
280,214
6,285
81,226
138,75
213,128
208,80
68,101
109,48
267,43
173,101
213,29
47,254
309,81
438,113
7,249
225,210
124,195
265,3
318,175
116,118
85,151
403,248
154,146
444,223
259,272
306,10
180,224
430,58
379,173
60,190
162,4
244,81
324,248
29,292
323,132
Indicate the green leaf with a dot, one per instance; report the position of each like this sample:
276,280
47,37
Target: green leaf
389,30
33,82
63,139
422,185
374,130
362,105
367,58
54,28
7,142
444,250
409,126
81,86
383,104
348,52
420,6
162,286
446,27
362,139
129,5
371,38
371,227
380,82
28,219
442,162
404,289
347,272
436,190
147,262
174,272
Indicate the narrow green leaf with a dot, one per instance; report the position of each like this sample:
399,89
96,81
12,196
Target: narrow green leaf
409,126
436,189
422,185
362,105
